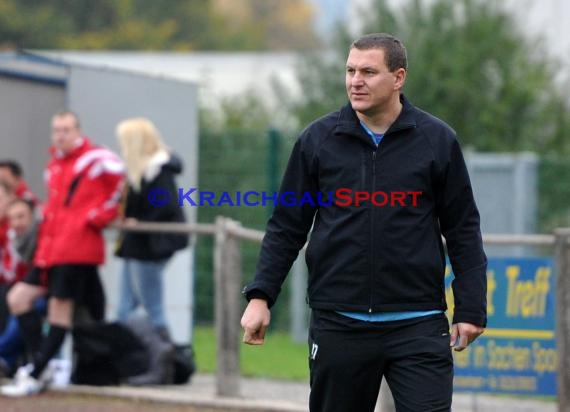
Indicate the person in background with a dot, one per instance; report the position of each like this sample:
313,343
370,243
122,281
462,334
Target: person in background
6,197
84,184
376,268
150,166
12,174
21,240
14,265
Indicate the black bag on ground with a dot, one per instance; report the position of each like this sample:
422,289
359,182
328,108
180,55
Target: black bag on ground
106,354
184,364
160,349
168,363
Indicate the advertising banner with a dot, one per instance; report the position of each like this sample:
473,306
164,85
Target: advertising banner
517,352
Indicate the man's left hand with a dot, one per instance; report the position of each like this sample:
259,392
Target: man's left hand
462,334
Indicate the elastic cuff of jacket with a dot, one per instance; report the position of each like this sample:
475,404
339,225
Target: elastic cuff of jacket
469,317
258,294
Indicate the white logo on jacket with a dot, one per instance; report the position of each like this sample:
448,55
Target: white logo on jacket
314,350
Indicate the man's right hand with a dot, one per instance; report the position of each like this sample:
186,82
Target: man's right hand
255,321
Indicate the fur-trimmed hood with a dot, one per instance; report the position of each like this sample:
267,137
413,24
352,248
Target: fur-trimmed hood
161,160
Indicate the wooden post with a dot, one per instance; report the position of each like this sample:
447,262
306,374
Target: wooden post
562,257
227,278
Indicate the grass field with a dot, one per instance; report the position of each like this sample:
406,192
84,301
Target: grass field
279,357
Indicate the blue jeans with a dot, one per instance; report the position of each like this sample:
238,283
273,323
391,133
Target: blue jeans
12,345
141,285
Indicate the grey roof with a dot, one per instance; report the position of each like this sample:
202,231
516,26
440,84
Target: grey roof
35,68
217,74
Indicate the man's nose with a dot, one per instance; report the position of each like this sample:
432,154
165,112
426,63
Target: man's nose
357,79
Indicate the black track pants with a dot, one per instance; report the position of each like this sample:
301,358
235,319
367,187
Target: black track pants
347,359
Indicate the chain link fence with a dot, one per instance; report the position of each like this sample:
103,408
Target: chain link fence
232,162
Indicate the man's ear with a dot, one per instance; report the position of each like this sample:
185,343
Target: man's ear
400,78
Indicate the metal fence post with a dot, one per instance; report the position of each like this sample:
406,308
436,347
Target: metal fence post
562,262
273,147
297,303
227,278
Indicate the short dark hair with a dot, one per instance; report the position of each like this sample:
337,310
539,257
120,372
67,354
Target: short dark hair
394,50
63,113
14,167
30,204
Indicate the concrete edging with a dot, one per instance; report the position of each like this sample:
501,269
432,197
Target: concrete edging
166,394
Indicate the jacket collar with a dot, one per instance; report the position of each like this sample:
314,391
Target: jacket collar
155,164
81,145
348,122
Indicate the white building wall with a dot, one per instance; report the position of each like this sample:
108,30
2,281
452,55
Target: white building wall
218,74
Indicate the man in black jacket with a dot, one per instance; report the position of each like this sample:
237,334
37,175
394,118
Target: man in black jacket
379,181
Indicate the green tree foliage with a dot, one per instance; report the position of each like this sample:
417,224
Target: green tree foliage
283,23
468,64
152,25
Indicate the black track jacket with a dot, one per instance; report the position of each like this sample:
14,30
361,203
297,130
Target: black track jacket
386,254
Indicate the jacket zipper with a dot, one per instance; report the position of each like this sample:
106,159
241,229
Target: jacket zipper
372,230
72,190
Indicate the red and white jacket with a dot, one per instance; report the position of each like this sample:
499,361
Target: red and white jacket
83,194
4,227
12,267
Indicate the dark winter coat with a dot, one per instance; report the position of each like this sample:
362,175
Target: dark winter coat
373,258
141,206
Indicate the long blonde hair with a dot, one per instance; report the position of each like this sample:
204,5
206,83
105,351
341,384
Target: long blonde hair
140,141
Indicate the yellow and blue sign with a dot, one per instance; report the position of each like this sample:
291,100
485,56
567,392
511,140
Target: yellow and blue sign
517,353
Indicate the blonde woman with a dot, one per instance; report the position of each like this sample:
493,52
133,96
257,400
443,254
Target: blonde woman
151,170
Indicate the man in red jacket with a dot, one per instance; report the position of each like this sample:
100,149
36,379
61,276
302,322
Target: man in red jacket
84,184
